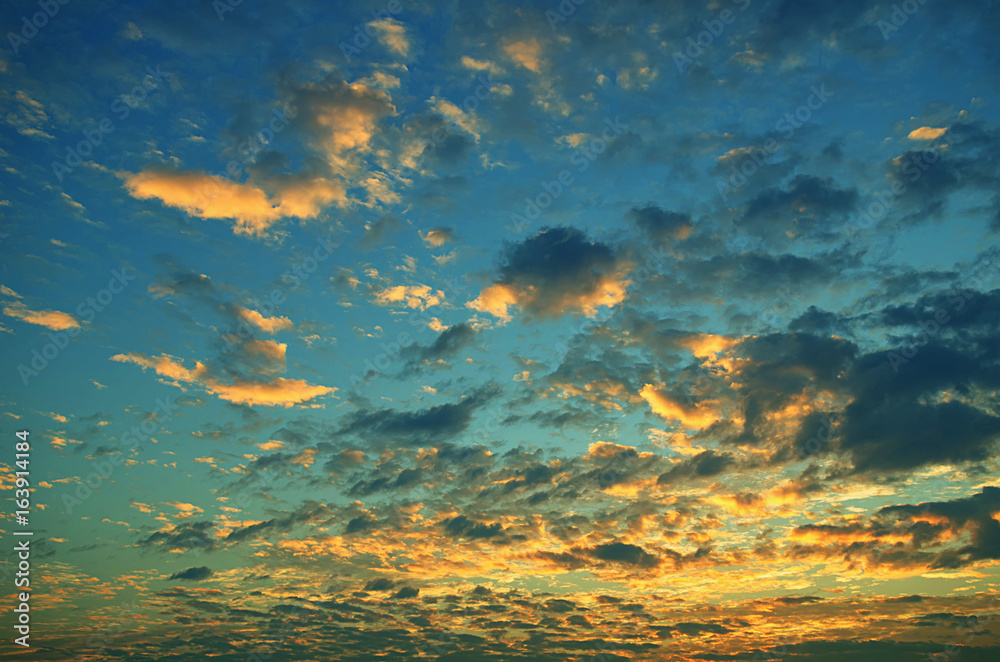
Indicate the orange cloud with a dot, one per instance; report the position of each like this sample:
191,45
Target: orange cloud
495,300
414,296
926,133
342,116
250,206
775,499
693,417
392,35
603,450
184,510
305,459
553,272
50,319
846,535
279,392
527,53
436,238
271,445
266,324
706,345
269,349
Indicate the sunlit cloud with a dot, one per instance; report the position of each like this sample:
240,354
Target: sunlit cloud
51,319
278,392
266,324
253,210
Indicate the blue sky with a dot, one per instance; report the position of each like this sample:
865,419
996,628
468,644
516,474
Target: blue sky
513,331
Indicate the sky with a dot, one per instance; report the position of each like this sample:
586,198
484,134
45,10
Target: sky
535,331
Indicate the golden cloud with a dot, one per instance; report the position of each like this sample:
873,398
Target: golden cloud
279,392
266,324
413,296
439,237
527,53
392,35
926,133
692,417
252,208
50,319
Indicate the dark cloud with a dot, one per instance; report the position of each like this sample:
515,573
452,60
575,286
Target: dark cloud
754,283
694,629
895,433
791,26
463,527
556,271
927,175
187,536
624,553
810,207
451,150
431,425
879,651
380,584
703,465
941,535
560,606
819,322
782,365
405,478
448,343
310,511
379,231
192,574
361,523
806,599
975,512
661,226
893,423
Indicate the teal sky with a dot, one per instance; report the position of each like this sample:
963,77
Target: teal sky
504,331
